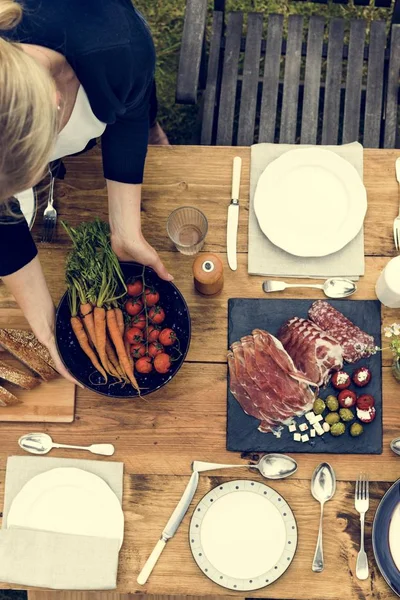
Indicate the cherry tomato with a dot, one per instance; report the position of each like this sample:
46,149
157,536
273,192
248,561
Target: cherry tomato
134,335
155,349
151,296
341,380
167,337
144,365
156,315
162,363
133,306
139,321
347,398
362,377
135,288
138,350
153,333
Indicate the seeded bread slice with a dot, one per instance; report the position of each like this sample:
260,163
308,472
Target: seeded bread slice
27,355
27,338
7,398
17,377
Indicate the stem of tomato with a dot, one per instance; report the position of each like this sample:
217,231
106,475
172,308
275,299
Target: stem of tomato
145,310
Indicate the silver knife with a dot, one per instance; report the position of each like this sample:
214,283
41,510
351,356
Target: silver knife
170,528
233,214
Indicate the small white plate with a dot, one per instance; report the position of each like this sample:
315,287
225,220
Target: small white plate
243,535
310,202
28,204
68,500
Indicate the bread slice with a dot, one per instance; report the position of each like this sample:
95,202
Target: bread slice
17,377
27,338
27,355
7,398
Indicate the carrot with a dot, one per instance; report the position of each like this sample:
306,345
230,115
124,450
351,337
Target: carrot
120,320
128,352
86,311
113,360
100,328
118,342
78,329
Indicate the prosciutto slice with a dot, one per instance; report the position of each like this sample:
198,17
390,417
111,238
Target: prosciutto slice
314,352
265,381
355,343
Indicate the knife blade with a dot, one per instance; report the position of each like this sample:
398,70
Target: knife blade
233,215
170,528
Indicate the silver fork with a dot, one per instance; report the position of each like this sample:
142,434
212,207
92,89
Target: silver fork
362,504
49,215
396,222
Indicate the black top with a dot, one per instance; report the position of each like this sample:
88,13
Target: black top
109,46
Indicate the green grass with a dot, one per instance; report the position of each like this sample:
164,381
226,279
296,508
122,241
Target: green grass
165,18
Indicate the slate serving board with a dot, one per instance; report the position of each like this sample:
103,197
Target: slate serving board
244,315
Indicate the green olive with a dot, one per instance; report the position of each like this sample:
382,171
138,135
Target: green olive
332,403
332,418
346,414
338,429
318,406
356,429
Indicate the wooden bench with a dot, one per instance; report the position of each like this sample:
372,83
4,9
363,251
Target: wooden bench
318,83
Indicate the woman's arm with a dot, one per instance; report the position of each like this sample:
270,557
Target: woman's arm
126,235
28,286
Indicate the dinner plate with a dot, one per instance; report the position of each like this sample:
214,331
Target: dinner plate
68,500
386,537
243,535
28,203
310,202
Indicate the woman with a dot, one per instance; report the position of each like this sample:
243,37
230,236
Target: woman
70,71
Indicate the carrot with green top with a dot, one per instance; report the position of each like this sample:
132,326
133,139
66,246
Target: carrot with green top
118,342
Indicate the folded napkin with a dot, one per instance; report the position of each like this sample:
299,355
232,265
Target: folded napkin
57,560
267,259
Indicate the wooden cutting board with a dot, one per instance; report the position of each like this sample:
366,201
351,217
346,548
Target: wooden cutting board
244,315
49,402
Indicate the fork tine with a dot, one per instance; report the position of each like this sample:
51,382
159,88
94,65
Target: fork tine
397,238
357,488
394,234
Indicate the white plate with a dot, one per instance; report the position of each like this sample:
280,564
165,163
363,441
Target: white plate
27,201
68,500
310,202
243,535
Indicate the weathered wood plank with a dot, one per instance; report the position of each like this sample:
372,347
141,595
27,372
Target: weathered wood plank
229,79
330,125
312,81
374,93
352,104
191,51
392,91
251,69
269,99
211,92
288,125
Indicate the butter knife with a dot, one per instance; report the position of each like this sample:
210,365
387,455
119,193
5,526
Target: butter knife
170,528
233,214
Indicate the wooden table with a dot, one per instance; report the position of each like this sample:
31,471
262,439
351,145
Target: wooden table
157,438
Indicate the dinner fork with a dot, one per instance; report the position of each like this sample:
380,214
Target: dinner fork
362,504
396,222
49,215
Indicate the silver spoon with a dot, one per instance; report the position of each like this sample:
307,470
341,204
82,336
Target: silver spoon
323,487
395,445
336,287
41,443
271,466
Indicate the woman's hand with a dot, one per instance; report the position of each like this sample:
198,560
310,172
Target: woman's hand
139,250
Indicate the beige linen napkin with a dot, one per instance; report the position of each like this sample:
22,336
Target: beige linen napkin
267,259
57,560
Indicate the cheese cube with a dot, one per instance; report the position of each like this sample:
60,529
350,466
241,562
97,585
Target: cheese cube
310,416
297,437
312,433
319,418
318,429
305,438
325,426
303,426
292,427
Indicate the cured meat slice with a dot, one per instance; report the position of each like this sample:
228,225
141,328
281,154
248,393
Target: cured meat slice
355,343
314,352
265,381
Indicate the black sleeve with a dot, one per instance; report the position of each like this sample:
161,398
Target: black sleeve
17,247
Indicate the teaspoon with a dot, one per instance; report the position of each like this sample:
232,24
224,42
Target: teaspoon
323,487
41,443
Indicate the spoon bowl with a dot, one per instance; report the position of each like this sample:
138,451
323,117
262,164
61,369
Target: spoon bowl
271,466
338,287
395,445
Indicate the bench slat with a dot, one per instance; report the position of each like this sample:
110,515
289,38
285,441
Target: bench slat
270,87
352,105
373,101
213,76
330,125
312,81
291,79
392,95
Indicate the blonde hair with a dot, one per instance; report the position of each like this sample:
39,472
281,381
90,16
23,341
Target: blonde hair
28,112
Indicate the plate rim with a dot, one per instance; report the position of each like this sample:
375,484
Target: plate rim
239,581
325,152
394,488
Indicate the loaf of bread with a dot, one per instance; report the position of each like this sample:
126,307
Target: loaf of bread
7,398
27,338
16,343
17,377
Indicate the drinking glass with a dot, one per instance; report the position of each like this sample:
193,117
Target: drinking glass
187,228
